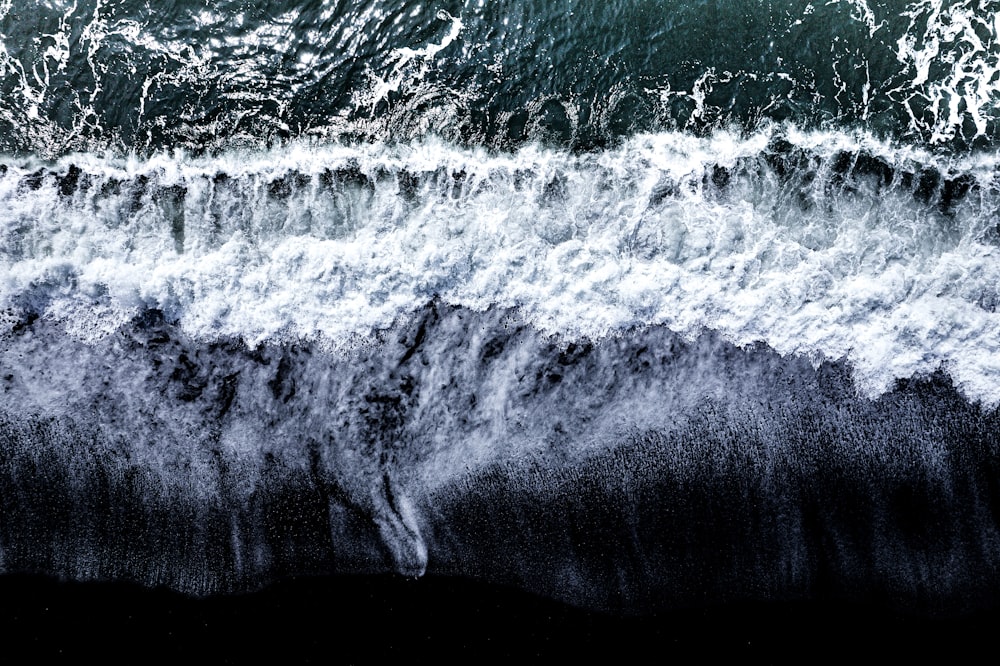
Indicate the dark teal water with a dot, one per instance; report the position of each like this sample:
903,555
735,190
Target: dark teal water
140,77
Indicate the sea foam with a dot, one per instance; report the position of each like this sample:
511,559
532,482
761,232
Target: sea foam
826,245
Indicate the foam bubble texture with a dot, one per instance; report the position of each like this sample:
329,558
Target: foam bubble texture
820,244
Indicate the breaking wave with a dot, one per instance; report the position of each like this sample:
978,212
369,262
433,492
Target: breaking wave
827,245
635,304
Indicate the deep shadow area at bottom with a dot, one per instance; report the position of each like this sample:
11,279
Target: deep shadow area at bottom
366,619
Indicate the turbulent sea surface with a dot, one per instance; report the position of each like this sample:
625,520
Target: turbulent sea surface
636,305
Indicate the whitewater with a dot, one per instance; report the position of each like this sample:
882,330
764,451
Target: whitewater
826,245
637,305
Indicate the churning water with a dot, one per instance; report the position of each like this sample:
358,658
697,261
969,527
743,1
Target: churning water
316,286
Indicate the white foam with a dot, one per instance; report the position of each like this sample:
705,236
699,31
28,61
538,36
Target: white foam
952,53
585,245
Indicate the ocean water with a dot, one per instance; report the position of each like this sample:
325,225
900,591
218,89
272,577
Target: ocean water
635,305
